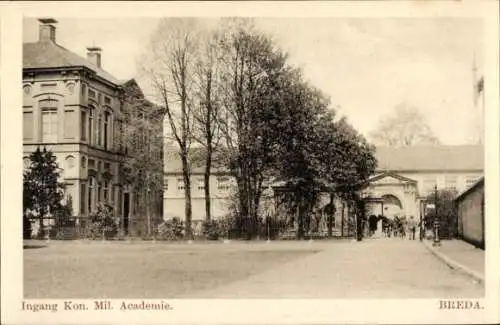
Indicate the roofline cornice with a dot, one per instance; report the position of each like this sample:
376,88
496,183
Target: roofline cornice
435,171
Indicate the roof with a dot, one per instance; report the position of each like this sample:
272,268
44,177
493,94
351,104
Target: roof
393,175
173,163
415,158
431,158
47,54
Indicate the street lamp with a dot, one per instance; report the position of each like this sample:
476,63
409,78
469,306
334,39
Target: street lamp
423,206
436,242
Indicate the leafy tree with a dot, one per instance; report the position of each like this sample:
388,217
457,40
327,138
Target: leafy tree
301,153
320,154
407,126
339,161
253,69
42,192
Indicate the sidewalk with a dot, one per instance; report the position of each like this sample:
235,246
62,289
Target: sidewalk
460,255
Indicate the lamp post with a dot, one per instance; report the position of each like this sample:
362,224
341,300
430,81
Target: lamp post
436,242
421,223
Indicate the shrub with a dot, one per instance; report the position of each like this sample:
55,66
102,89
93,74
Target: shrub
101,223
211,230
171,229
227,227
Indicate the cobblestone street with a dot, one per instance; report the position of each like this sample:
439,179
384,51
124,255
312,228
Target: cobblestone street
373,268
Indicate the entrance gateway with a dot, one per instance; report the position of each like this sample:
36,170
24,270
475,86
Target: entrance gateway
388,196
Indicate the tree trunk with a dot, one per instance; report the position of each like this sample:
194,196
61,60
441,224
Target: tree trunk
342,221
41,229
330,217
148,213
242,206
300,220
187,195
208,166
255,217
245,201
359,220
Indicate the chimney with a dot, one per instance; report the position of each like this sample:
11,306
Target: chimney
94,55
47,31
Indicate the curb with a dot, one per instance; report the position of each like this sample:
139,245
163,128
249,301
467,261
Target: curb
455,265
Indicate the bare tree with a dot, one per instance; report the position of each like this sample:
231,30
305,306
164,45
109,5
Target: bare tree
170,67
407,126
142,135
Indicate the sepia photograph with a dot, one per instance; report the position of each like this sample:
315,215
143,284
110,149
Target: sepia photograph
241,158
252,157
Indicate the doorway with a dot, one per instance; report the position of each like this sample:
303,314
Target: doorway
391,206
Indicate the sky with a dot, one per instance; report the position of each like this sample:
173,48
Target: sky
366,65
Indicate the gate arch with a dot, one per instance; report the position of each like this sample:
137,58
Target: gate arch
392,205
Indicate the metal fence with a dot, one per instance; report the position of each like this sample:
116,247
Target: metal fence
75,228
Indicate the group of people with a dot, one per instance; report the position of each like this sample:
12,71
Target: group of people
401,227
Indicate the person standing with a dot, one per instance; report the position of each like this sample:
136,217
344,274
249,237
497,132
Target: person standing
412,229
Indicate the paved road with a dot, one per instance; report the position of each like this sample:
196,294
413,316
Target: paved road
376,268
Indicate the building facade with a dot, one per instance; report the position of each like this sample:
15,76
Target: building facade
406,176
74,108
403,180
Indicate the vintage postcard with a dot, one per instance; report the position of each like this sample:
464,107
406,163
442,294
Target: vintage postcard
250,162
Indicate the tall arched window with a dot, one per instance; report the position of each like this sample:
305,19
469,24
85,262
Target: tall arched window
84,164
90,202
106,129
83,125
83,195
91,125
99,131
106,191
70,162
99,192
84,91
49,121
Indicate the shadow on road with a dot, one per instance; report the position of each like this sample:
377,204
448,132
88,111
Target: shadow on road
33,246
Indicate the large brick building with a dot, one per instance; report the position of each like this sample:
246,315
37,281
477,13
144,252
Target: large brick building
73,107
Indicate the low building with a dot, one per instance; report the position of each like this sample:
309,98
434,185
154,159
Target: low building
404,178
74,108
470,214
